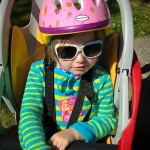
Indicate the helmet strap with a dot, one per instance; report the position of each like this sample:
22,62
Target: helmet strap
48,61
51,42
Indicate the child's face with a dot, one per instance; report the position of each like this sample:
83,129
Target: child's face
79,64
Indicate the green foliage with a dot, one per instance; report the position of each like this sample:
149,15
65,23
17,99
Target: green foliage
6,116
115,14
141,17
21,11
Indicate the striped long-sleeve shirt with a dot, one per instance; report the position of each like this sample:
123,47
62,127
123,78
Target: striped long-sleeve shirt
101,121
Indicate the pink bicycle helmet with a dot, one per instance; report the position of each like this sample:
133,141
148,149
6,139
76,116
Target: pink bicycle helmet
58,17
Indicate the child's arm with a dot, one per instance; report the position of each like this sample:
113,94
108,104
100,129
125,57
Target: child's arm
104,121
31,133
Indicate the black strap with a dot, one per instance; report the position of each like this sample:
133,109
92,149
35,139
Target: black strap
86,89
49,103
49,88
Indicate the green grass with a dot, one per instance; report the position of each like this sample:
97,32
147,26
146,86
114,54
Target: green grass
6,116
141,18
21,12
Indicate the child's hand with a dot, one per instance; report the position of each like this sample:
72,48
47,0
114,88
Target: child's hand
61,140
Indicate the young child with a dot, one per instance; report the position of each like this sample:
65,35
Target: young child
75,34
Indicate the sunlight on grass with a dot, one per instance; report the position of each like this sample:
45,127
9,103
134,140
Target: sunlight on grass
6,116
141,18
21,11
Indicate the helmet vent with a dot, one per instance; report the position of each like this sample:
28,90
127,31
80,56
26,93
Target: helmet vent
95,2
57,3
78,3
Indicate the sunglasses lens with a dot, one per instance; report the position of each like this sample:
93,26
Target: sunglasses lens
66,52
69,52
93,50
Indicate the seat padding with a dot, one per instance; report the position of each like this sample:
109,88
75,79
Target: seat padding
20,63
110,57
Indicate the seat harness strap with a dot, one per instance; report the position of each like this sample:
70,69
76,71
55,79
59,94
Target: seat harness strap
49,86
86,89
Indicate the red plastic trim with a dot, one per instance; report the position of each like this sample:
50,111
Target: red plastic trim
125,142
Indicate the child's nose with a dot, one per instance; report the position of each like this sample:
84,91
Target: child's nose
80,57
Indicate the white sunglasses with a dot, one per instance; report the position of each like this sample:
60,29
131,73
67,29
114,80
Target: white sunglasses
69,51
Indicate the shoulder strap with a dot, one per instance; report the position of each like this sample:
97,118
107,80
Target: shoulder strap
86,89
49,87
49,121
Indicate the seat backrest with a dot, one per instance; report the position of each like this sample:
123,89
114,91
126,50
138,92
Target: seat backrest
110,56
19,47
26,47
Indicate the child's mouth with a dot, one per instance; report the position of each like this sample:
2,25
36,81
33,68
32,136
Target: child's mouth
80,68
